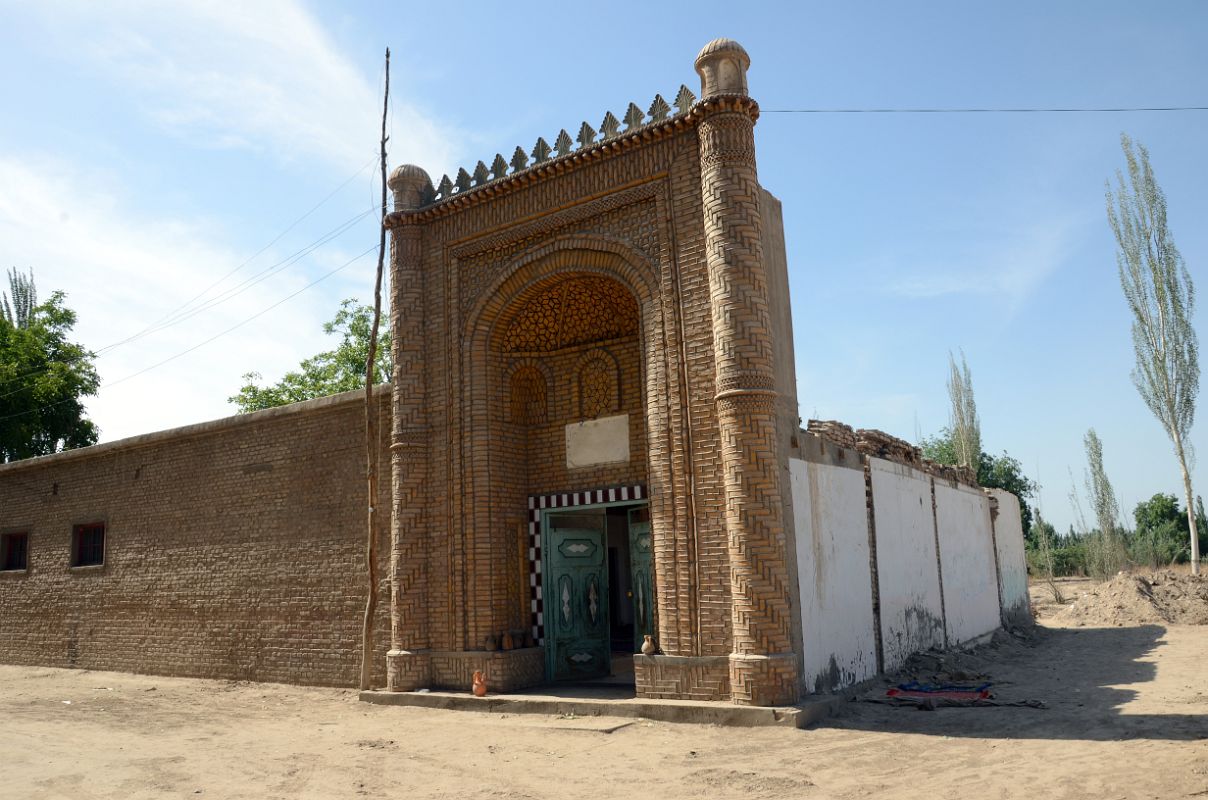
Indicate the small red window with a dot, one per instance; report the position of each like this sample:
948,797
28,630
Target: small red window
88,545
14,551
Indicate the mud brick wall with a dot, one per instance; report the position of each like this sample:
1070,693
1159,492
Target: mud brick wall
234,549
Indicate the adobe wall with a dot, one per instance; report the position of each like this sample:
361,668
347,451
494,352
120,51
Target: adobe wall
895,555
839,641
1012,560
234,550
966,544
908,580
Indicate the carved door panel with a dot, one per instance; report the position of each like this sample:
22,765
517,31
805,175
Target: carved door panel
576,597
641,565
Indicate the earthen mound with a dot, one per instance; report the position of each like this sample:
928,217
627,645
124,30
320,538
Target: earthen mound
1134,599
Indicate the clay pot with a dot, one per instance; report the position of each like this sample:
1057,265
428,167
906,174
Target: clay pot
649,648
529,641
490,643
479,685
508,642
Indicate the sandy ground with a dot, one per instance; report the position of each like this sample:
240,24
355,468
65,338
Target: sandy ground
1127,718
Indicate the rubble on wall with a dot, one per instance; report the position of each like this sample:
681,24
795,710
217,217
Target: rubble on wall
877,443
832,431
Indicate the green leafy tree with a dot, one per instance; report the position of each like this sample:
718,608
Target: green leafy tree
1161,536
43,375
994,472
330,372
1161,297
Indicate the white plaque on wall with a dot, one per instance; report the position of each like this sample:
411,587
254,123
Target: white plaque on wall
597,441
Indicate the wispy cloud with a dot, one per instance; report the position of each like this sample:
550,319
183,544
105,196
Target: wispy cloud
260,75
124,270
1008,266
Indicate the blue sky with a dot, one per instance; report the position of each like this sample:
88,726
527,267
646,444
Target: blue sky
149,149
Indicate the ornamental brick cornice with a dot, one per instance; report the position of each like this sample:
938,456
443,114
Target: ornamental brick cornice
561,165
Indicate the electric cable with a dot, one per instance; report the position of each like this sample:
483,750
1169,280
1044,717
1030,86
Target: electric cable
203,343
1110,110
275,239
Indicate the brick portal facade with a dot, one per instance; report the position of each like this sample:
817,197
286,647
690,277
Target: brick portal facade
608,324
624,277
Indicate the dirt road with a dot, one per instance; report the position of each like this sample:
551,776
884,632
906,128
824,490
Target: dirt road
1127,718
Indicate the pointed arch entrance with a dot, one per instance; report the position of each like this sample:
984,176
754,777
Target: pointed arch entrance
565,381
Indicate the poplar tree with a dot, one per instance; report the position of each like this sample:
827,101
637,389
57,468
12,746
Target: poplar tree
965,426
1105,556
44,376
1161,296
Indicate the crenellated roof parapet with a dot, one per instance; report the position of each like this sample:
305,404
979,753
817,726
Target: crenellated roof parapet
590,144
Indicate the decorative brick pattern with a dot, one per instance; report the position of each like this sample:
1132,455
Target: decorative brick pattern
409,439
574,311
599,385
746,412
629,275
530,391
682,677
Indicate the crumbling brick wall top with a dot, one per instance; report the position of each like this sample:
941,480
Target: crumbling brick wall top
871,442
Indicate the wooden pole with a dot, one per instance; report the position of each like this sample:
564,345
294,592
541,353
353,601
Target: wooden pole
372,437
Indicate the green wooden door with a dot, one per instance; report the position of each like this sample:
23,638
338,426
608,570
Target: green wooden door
576,597
641,565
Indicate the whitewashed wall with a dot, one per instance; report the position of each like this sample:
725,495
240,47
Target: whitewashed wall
1012,561
946,574
970,580
838,633
907,567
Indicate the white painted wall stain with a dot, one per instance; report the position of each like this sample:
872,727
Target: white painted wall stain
967,561
908,577
838,634
1012,561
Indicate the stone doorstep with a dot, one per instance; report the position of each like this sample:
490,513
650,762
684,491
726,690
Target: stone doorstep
693,711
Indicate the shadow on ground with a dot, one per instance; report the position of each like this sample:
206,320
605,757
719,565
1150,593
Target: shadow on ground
1085,676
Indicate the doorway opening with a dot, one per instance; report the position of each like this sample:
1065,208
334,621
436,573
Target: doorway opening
599,590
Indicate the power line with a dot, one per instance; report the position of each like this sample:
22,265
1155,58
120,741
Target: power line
246,284
978,110
175,315
275,239
170,321
203,343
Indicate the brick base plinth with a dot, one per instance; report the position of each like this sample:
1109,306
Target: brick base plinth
504,670
763,680
408,670
682,677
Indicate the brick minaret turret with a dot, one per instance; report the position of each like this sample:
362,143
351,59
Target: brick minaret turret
763,666
408,664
